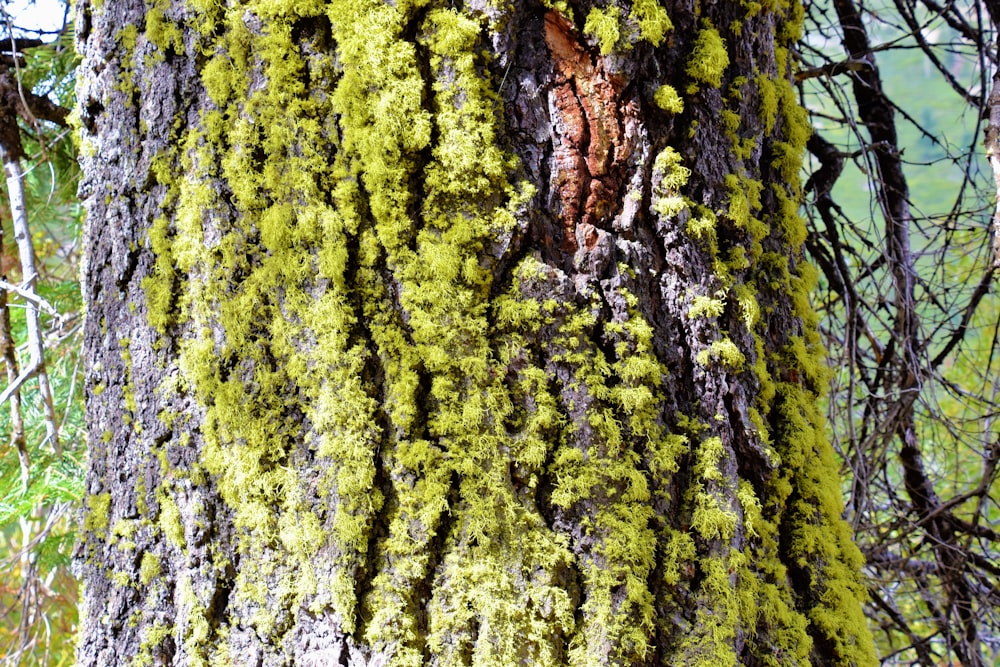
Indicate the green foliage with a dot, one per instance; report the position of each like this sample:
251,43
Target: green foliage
37,524
44,516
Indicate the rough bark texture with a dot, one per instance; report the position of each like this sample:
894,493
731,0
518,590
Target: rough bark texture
452,333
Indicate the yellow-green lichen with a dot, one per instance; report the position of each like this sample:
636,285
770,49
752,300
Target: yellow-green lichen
665,453
149,568
725,352
731,121
647,20
711,520
604,24
709,58
162,31
170,519
153,636
96,517
786,418
705,306
122,534
653,19
667,98
121,579
767,92
669,176
679,554
749,309
703,227
562,6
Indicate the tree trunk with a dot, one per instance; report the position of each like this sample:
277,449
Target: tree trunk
453,333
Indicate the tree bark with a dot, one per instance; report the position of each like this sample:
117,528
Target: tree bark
453,333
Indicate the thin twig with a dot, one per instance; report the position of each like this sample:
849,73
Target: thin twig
26,253
29,295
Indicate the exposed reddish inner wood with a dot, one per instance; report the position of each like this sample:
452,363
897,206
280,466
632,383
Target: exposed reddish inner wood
590,147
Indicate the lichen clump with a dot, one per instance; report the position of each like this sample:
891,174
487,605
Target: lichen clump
666,98
709,58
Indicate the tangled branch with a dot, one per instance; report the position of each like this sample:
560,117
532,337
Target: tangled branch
918,439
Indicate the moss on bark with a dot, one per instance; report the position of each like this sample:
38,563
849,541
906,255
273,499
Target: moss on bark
395,413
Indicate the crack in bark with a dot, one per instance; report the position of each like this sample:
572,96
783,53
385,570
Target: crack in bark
590,146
